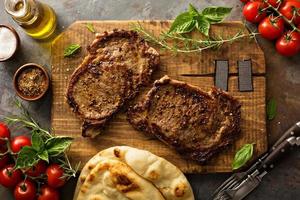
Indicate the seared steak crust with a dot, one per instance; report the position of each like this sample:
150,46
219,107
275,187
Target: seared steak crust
117,65
195,123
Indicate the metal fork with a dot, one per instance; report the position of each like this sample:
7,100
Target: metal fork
236,178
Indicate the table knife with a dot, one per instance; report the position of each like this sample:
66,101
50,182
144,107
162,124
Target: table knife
253,179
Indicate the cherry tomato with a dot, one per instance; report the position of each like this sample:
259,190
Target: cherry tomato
4,160
244,1
288,44
271,28
9,177
274,3
38,169
252,11
288,8
48,193
4,133
18,142
25,190
55,176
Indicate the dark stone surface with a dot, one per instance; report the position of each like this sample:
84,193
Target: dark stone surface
283,84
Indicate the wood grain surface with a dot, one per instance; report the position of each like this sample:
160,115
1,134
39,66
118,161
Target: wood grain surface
197,69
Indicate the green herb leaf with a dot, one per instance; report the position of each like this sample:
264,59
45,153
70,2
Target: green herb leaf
182,24
58,145
186,27
216,14
71,49
193,11
203,25
37,141
27,158
271,109
242,156
91,28
44,155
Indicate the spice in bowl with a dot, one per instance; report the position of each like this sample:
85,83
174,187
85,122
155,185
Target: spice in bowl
9,42
31,81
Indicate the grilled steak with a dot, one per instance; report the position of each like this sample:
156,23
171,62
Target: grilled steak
195,123
117,64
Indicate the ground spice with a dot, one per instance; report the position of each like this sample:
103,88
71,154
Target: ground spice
32,82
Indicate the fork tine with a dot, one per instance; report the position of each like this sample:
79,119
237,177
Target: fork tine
233,185
225,196
229,180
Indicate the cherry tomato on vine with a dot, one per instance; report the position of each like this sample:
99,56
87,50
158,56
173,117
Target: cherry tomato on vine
288,9
271,27
253,11
48,193
244,1
38,169
9,177
288,44
25,190
274,3
18,142
4,133
55,176
4,160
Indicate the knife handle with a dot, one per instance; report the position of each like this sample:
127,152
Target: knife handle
268,163
293,131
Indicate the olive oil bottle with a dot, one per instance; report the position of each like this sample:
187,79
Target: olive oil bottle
37,19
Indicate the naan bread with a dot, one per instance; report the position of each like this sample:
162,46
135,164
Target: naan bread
114,180
165,176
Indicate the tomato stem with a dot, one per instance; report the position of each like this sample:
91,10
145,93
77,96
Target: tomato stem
23,187
290,22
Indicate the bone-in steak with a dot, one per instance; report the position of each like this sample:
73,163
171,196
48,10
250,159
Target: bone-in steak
117,64
195,123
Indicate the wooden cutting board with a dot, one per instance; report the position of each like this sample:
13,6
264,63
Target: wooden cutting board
197,69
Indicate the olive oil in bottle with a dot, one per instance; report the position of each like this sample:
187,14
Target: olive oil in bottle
37,19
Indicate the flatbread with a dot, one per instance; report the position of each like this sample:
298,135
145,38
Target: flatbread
165,176
113,180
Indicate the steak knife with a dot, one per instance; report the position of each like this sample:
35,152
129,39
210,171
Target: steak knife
253,180
261,163
240,176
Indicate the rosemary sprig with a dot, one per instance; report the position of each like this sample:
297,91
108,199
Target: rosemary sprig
24,120
182,44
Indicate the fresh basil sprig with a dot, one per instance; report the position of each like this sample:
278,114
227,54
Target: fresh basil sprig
242,156
71,50
41,149
271,109
188,21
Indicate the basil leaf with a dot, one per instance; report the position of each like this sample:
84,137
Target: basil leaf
182,22
271,109
193,11
71,49
27,158
186,27
44,156
37,142
58,145
203,25
90,27
216,14
242,156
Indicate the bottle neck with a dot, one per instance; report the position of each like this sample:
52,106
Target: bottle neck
24,12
